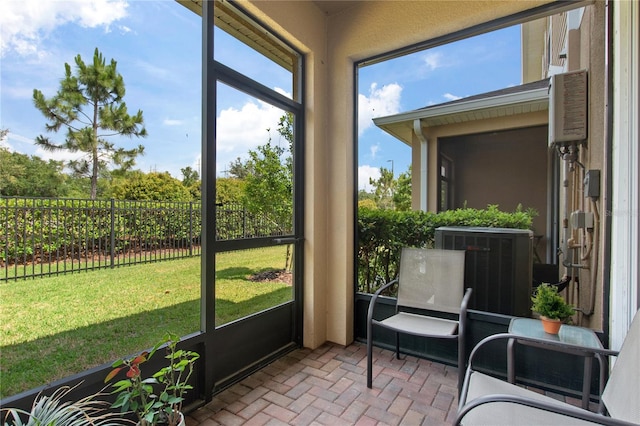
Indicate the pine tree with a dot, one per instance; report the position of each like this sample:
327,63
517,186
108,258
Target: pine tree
89,105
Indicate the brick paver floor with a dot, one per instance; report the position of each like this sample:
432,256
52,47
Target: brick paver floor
327,386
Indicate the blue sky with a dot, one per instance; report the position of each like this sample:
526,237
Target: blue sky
442,74
157,47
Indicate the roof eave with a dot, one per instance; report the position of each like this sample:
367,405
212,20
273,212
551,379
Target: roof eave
512,99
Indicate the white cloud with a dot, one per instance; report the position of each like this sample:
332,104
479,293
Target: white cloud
154,72
379,103
17,92
172,122
282,92
61,155
364,174
4,143
15,142
19,143
197,165
433,60
374,150
240,130
24,23
450,97
124,29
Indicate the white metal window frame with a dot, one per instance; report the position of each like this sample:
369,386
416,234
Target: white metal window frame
625,220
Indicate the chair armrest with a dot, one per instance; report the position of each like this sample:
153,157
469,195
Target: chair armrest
462,320
598,352
567,410
465,301
517,337
374,299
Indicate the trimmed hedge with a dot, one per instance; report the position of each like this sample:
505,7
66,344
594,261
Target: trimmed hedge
383,233
44,230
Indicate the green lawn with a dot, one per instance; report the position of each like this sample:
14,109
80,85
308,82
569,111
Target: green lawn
53,327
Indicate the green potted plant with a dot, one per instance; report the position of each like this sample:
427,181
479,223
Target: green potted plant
552,307
155,400
55,410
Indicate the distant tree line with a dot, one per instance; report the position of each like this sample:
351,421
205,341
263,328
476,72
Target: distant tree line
388,193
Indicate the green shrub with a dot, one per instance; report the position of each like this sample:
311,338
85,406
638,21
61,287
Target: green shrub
383,233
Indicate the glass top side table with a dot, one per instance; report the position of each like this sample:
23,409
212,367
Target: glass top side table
569,334
571,339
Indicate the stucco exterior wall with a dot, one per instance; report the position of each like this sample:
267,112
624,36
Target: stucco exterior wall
592,58
586,49
533,45
304,26
558,39
506,168
539,118
332,44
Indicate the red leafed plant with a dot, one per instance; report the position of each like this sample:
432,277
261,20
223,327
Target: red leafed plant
138,395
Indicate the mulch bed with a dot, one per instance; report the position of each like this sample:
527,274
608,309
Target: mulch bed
272,276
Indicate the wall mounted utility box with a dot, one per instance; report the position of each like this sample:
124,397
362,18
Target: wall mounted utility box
592,183
568,108
498,266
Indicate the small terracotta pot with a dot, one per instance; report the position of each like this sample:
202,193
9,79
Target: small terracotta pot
550,326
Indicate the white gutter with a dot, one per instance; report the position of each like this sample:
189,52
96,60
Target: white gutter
424,163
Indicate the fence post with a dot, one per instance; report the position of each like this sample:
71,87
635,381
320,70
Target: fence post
190,228
113,233
244,222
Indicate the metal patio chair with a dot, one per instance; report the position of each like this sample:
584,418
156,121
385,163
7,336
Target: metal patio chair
430,289
488,400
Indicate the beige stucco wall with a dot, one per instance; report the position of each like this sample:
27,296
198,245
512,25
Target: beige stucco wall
592,155
533,44
584,47
304,25
459,129
531,194
506,168
331,45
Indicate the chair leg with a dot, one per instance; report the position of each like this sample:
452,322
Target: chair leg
397,345
461,363
369,355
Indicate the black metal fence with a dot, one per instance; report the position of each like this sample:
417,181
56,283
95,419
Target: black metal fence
43,236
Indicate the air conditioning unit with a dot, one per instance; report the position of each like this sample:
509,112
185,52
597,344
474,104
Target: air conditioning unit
498,266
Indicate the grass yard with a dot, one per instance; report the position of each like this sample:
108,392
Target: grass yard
53,327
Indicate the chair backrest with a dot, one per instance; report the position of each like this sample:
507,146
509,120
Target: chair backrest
431,279
622,391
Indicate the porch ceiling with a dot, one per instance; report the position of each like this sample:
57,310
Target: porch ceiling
332,7
523,99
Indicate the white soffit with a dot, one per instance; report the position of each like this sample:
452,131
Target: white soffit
477,108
